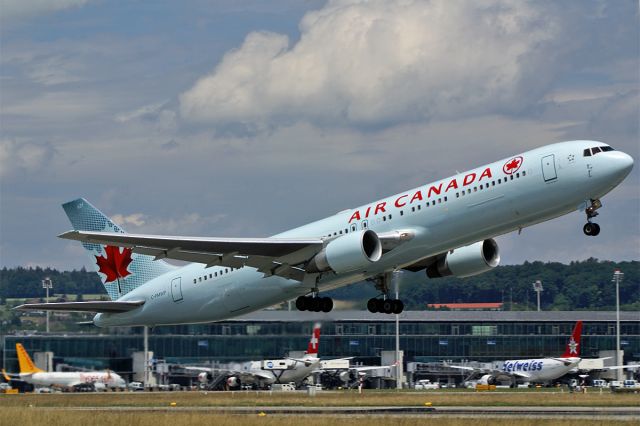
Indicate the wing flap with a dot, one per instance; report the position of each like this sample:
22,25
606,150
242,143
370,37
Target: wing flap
100,306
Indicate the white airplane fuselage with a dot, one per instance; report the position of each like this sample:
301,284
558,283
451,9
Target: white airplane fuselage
482,203
70,379
540,370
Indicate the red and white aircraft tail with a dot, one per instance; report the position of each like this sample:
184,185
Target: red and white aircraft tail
314,342
573,346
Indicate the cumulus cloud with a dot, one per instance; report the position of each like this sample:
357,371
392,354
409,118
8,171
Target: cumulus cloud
380,62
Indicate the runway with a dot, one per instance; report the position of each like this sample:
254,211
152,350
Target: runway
620,413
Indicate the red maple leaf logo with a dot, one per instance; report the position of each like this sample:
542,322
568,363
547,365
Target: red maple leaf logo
512,165
114,266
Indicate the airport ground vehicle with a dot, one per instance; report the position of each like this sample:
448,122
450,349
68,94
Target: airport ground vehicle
426,384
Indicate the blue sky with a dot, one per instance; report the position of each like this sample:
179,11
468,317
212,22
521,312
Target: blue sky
245,118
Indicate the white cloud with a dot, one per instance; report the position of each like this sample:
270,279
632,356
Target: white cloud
20,9
29,157
380,62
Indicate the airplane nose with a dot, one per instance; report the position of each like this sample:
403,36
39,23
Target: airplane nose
623,163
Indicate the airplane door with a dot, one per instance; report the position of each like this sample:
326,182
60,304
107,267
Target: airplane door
176,289
549,168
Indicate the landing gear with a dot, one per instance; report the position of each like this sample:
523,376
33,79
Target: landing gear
386,305
314,304
590,228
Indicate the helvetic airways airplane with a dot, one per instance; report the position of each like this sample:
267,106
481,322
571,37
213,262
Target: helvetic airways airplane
538,370
445,227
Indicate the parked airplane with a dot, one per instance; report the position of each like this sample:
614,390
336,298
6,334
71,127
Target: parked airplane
445,227
267,372
68,380
537,370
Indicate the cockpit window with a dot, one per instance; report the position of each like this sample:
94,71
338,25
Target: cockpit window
593,151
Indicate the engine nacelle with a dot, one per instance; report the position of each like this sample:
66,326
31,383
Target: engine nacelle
467,261
487,379
203,377
233,382
348,253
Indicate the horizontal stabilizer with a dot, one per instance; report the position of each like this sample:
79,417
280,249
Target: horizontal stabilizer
101,306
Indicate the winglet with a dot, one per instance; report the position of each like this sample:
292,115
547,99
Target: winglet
5,375
573,346
24,360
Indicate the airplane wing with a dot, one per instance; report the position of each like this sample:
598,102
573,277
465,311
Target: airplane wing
100,306
272,256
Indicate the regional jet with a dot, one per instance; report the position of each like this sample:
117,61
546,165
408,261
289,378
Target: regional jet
444,227
67,379
265,372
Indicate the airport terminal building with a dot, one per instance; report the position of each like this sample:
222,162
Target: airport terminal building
425,336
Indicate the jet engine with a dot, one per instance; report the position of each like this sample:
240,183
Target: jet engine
466,261
487,379
203,377
348,253
233,382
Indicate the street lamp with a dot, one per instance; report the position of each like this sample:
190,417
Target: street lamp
617,277
537,287
47,284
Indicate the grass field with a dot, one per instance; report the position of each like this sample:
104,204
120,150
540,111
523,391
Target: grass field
344,398
61,409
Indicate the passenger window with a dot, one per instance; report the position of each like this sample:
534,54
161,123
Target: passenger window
226,271
205,277
341,232
439,200
215,274
346,231
384,218
389,217
511,177
194,281
518,175
413,209
493,183
418,206
475,189
354,227
199,279
401,213
524,173
445,199
433,203
457,195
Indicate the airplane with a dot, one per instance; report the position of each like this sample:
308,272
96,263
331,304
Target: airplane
537,370
445,228
267,372
67,380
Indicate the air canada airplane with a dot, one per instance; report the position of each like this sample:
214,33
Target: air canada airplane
444,227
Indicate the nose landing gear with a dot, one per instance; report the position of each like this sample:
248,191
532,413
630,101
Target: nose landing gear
590,228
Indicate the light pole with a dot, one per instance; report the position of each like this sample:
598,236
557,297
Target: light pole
399,363
537,287
617,277
47,284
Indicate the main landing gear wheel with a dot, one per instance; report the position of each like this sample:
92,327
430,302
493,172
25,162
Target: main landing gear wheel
314,304
385,306
591,229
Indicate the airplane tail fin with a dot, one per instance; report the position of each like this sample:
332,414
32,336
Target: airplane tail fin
24,360
573,347
119,269
314,342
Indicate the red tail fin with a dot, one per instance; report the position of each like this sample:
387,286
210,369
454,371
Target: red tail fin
312,349
573,347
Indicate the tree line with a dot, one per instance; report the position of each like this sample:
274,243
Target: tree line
580,285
